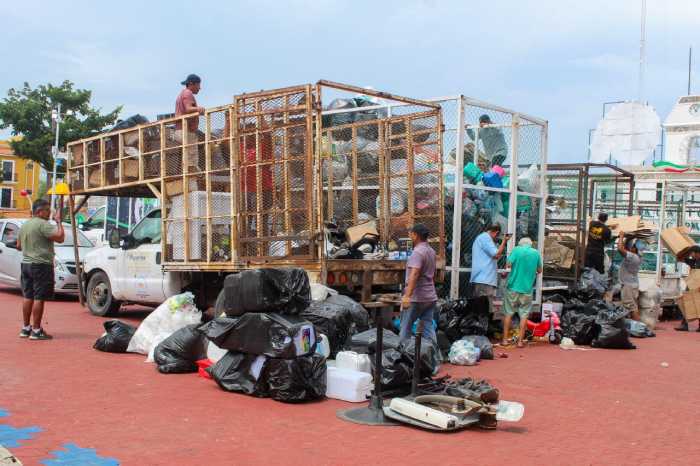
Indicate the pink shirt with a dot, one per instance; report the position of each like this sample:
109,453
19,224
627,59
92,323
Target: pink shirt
184,100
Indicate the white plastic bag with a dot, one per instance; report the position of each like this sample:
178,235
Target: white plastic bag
176,312
529,180
323,347
464,353
320,292
214,353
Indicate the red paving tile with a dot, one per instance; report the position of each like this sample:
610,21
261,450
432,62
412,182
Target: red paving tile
582,407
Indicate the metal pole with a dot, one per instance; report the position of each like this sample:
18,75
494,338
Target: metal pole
543,209
76,250
55,151
457,216
642,51
662,220
513,186
690,66
417,358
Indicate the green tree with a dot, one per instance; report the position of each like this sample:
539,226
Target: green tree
28,112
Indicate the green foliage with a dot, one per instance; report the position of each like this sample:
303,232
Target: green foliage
28,112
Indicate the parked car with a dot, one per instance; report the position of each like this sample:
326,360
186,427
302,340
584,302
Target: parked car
94,227
65,270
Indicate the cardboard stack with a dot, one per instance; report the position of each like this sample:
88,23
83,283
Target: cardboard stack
633,226
558,252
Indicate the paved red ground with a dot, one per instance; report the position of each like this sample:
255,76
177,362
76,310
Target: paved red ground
601,407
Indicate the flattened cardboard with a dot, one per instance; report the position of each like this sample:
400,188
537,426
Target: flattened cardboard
677,240
690,305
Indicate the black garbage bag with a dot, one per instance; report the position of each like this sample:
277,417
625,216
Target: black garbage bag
179,353
240,372
638,329
296,380
579,325
612,333
453,331
365,342
286,291
474,324
334,321
430,358
444,343
117,337
396,371
592,285
133,120
270,334
357,311
481,342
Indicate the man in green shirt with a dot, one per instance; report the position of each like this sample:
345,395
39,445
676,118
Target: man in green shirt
524,263
36,238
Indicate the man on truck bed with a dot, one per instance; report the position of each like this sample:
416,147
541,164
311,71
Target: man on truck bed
598,235
186,104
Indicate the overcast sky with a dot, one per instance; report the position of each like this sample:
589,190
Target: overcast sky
556,59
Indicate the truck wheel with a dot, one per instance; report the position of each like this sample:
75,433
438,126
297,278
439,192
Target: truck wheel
99,296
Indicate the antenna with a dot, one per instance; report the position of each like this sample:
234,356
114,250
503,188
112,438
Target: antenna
690,66
642,51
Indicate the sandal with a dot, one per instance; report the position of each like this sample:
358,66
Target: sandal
521,344
505,343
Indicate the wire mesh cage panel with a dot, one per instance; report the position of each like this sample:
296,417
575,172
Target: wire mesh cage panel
274,138
383,163
499,161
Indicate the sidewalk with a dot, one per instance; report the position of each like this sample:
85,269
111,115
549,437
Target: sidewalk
597,407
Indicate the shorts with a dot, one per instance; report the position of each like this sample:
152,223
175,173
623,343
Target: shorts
630,298
482,297
520,303
37,281
480,290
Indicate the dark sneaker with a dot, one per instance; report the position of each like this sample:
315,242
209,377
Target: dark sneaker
24,333
40,335
683,327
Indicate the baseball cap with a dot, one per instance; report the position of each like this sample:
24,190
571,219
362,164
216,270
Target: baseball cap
191,78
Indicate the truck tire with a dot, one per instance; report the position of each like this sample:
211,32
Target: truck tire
99,296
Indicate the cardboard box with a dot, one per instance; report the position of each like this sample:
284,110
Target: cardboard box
677,240
693,279
357,232
130,169
690,305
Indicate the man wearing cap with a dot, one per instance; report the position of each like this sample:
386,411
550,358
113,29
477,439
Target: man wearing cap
185,104
495,146
629,274
525,263
420,298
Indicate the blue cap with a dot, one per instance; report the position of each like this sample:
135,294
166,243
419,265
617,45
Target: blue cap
191,79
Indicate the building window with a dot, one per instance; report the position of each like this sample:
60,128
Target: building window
694,150
6,198
8,170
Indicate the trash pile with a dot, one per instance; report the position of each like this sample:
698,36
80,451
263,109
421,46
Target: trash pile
463,326
485,207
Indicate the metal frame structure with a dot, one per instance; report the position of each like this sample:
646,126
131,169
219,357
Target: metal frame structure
527,145
589,179
244,184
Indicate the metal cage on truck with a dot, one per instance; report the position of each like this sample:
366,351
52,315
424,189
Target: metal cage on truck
254,183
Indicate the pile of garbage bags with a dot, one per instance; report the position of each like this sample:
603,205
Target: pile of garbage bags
596,323
467,320
269,338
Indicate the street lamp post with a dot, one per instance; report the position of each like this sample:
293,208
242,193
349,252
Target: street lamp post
56,116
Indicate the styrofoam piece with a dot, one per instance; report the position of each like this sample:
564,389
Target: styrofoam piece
353,361
348,385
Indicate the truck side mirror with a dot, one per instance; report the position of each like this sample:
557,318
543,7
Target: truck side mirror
114,239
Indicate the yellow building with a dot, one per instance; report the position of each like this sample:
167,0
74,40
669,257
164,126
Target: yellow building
16,174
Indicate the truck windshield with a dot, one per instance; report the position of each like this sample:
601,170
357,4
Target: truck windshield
148,229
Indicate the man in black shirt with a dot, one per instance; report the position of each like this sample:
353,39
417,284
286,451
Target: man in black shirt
693,261
598,236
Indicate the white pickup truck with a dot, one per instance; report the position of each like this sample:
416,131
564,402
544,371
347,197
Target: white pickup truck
129,270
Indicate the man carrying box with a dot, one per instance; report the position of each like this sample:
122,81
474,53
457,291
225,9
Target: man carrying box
629,274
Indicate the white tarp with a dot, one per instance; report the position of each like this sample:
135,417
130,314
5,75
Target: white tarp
629,133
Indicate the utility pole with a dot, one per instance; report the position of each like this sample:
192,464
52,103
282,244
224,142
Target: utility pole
57,118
